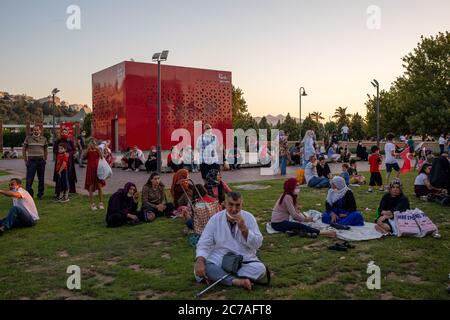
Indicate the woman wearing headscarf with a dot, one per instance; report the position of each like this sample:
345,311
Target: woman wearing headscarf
341,205
392,201
154,200
71,150
182,193
308,146
122,207
287,207
361,151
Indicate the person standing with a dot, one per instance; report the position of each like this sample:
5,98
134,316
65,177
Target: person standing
80,146
344,132
283,152
390,154
207,146
70,149
442,142
35,152
92,182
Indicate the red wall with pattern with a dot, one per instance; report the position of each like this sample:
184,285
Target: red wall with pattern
128,92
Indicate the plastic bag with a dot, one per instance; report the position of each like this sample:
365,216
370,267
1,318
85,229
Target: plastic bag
104,171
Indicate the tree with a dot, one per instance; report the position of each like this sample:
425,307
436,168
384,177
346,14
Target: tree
264,124
87,124
317,116
291,127
330,127
419,100
342,117
242,119
357,127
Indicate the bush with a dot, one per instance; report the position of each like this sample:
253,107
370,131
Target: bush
16,139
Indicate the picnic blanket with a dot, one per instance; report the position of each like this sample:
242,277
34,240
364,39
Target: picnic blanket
362,233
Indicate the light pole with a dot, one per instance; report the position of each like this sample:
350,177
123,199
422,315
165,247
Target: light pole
159,56
300,111
54,92
377,85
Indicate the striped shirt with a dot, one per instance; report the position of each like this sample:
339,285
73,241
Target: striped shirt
35,146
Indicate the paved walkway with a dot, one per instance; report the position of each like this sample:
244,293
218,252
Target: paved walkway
120,177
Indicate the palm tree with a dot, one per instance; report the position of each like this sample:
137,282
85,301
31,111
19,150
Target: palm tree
341,115
317,116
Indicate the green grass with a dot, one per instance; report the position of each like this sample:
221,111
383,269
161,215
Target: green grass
3,173
155,261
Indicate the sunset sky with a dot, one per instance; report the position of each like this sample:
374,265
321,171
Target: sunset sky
271,47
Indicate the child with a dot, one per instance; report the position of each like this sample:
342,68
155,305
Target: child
422,185
345,174
62,182
355,178
216,187
391,153
375,160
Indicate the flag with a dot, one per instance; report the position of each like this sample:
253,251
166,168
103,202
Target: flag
405,155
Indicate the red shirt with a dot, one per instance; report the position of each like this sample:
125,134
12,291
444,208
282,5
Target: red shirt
61,161
374,162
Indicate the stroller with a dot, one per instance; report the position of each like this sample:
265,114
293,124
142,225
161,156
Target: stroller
201,213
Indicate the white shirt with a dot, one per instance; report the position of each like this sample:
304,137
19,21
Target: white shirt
344,129
442,140
207,148
420,180
388,148
217,239
26,203
310,171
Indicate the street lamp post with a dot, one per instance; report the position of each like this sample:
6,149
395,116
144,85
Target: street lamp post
300,111
377,85
54,92
158,57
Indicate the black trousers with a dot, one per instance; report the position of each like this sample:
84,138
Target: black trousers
205,168
134,163
33,166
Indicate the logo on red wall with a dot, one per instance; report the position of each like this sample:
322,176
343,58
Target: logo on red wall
223,78
69,127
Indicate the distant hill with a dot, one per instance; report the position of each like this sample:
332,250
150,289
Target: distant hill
18,109
273,120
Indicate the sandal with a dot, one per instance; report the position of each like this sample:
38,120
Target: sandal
337,247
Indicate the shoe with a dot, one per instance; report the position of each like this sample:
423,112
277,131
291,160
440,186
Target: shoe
100,206
1,231
94,207
348,245
128,170
370,190
337,247
137,170
64,199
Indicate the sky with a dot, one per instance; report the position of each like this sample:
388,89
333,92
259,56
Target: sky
271,47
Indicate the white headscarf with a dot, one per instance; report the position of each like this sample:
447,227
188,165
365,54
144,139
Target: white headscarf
341,189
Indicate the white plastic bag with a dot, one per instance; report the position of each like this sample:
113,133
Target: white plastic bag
104,171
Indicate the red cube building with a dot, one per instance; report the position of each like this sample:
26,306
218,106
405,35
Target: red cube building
124,101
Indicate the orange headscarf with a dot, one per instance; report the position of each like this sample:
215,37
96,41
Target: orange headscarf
177,177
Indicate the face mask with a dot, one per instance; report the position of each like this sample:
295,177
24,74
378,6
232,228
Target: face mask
130,195
36,134
296,191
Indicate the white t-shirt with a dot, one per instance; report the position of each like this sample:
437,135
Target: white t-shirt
310,171
26,203
442,140
420,179
344,129
388,148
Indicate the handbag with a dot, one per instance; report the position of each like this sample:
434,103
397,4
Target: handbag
231,262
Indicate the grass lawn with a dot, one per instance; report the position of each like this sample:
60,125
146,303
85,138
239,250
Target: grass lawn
155,261
3,173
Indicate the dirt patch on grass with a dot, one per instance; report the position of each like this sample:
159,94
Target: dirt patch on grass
71,295
151,294
166,256
113,261
409,278
315,246
62,254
